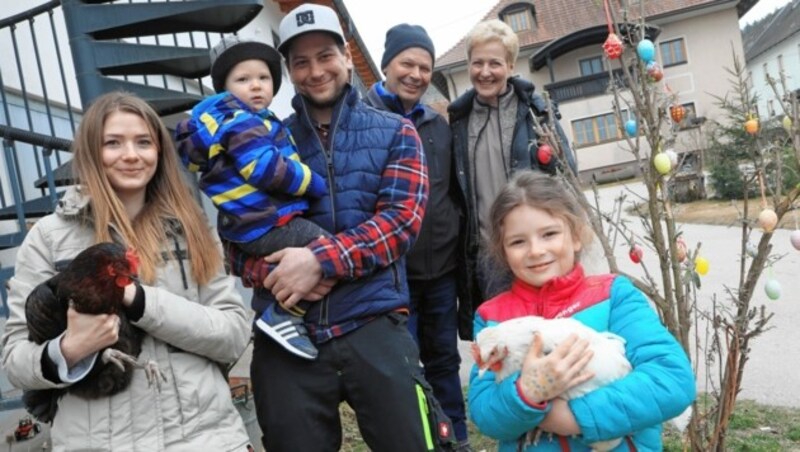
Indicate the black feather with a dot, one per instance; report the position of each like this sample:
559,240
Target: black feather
87,285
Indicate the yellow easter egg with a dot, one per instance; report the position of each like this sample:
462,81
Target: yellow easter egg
787,123
701,265
662,163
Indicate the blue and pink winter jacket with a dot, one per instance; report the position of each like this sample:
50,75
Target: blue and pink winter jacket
659,388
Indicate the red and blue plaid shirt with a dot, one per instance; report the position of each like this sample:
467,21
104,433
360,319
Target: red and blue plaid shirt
371,245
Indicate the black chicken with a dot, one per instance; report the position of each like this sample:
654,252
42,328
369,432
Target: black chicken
93,283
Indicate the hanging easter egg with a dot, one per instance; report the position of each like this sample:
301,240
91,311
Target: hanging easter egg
767,220
654,72
636,254
701,265
794,237
673,157
680,250
613,46
631,127
662,163
544,154
751,126
787,124
677,113
773,289
646,50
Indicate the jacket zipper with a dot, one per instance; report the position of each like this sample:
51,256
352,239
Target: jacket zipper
331,183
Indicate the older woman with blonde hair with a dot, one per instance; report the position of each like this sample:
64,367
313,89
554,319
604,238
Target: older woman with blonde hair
493,137
132,192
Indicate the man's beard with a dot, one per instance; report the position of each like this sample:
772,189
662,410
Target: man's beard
325,104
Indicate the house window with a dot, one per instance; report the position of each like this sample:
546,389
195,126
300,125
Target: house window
780,65
770,108
673,52
519,20
688,121
590,66
597,129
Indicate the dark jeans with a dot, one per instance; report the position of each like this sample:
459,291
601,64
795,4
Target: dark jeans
298,232
374,368
434,324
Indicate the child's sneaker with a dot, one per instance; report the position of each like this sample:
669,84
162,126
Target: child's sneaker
288,330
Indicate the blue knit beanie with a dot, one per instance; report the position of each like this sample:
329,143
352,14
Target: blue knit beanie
404,36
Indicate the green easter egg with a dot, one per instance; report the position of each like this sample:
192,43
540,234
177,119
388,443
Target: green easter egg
773,289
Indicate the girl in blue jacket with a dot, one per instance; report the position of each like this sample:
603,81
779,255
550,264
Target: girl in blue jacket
537,232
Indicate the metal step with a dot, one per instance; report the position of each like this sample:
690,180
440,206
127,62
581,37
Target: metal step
62,176
164,101
35,208
126,20
11,240
123,58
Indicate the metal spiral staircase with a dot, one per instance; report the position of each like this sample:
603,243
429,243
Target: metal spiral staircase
155,49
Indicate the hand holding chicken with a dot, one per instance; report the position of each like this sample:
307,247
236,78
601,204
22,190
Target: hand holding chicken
556,358
86,301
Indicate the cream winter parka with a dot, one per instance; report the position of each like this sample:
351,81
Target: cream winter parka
189,330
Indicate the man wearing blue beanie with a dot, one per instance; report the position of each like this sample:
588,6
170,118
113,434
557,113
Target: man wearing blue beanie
407,64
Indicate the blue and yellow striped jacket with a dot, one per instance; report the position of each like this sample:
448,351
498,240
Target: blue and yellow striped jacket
249,166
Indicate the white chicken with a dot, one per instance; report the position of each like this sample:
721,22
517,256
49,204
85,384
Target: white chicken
502,349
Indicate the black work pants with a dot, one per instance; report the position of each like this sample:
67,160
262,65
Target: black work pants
374,368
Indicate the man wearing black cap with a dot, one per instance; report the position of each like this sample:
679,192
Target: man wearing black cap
251,171
407,64
373,164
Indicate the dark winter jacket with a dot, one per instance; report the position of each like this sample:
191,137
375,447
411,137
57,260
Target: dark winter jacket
524,148
434,253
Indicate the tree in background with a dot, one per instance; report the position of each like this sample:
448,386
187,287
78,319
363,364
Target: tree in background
765,161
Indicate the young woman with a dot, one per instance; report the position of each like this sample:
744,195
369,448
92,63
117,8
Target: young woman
131,191
537,232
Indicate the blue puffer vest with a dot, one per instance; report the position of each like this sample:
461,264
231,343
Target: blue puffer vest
360,140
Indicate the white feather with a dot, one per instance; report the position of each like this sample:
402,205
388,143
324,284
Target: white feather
608,363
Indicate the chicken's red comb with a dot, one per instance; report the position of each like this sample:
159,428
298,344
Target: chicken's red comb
133,260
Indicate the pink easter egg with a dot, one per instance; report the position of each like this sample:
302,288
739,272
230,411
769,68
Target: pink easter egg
795,239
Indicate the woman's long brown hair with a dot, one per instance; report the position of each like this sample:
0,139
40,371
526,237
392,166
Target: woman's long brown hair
168,196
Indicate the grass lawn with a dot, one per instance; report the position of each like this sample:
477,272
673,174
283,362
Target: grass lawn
717,212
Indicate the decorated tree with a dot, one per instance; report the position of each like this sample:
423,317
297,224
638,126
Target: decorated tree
650,118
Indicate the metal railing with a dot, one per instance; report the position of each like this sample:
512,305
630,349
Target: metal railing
39,94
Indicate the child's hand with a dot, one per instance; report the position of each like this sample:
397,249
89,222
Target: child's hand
560,419
546,377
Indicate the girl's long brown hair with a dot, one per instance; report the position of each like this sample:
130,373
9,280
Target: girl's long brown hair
168,197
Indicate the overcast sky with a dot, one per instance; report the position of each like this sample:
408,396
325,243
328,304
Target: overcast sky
447,21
